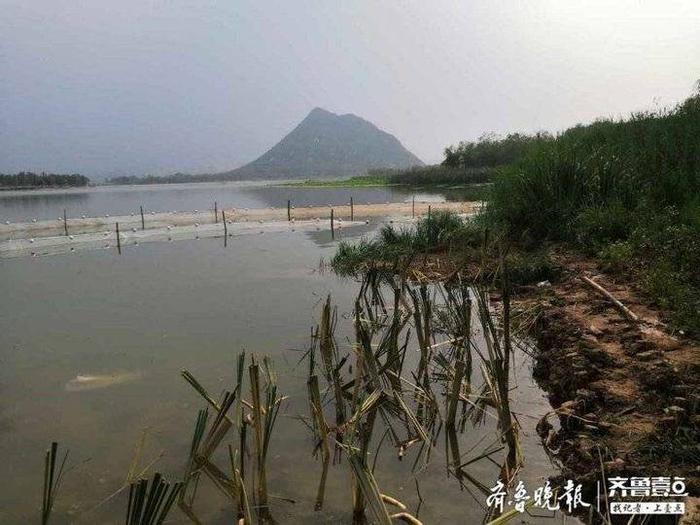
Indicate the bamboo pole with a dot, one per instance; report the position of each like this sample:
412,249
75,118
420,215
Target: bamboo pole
143,222
119,242
65,222
629,314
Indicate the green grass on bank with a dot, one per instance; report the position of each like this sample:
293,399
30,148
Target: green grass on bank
424,176
625,191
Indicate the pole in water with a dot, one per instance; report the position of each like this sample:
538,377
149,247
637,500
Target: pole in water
428,211
352,210
289,210
332,229
223,218
65,222
216,214
143,223
413,208
119,242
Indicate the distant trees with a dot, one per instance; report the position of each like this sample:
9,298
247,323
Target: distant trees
175,178
27,179
490,150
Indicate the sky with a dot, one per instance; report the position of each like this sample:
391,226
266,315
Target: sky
130,87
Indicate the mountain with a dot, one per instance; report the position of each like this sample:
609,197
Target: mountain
328,145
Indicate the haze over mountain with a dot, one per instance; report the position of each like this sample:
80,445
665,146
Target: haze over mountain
328,145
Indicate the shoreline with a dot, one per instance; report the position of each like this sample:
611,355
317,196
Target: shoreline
53,227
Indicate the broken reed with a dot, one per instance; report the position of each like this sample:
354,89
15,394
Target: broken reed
52,480
367,385
151,506
233,411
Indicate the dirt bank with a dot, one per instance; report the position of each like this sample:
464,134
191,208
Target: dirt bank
626,392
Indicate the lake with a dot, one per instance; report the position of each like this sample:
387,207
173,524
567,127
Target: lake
20,206
163,307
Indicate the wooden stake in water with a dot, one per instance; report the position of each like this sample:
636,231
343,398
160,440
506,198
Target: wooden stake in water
143,223
352,210
289,210
119,242
413,208
332,228
428,211
216,214
223,218
65,222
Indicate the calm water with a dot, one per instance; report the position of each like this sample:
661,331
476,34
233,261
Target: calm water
117,200
160,308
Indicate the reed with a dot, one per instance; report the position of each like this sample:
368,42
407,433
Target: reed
52,480
150,506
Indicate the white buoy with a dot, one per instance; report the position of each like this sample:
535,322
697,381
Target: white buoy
170,228
70,237
107,215
133,230
82,216
196,225
31,241
33,220
7,222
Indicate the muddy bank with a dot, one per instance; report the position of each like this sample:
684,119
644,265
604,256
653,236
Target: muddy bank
152,220
625,391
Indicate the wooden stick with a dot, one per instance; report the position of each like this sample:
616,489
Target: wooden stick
332,229
428,211
352,210
119,242
289,210
216,214
65,222
143,223
629,314
223,218
413,208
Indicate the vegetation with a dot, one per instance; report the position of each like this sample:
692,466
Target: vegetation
26,179
490,151
175,178
627,191
435,175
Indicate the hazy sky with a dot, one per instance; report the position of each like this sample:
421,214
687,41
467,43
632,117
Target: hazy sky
106,87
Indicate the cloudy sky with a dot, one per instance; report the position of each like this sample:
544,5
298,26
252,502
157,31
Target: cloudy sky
107,87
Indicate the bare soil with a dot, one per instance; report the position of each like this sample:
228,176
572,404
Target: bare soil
626,393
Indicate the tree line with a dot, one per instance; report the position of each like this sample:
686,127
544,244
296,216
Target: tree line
27,179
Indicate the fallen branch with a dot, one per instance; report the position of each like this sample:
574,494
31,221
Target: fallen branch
629,314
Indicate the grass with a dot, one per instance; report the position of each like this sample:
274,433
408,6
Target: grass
625,191
416,177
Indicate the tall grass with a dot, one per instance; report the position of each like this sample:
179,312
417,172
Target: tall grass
435,175
635,182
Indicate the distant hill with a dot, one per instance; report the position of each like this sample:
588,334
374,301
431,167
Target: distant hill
323,145
328,145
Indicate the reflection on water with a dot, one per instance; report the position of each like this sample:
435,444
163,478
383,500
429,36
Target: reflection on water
123,200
